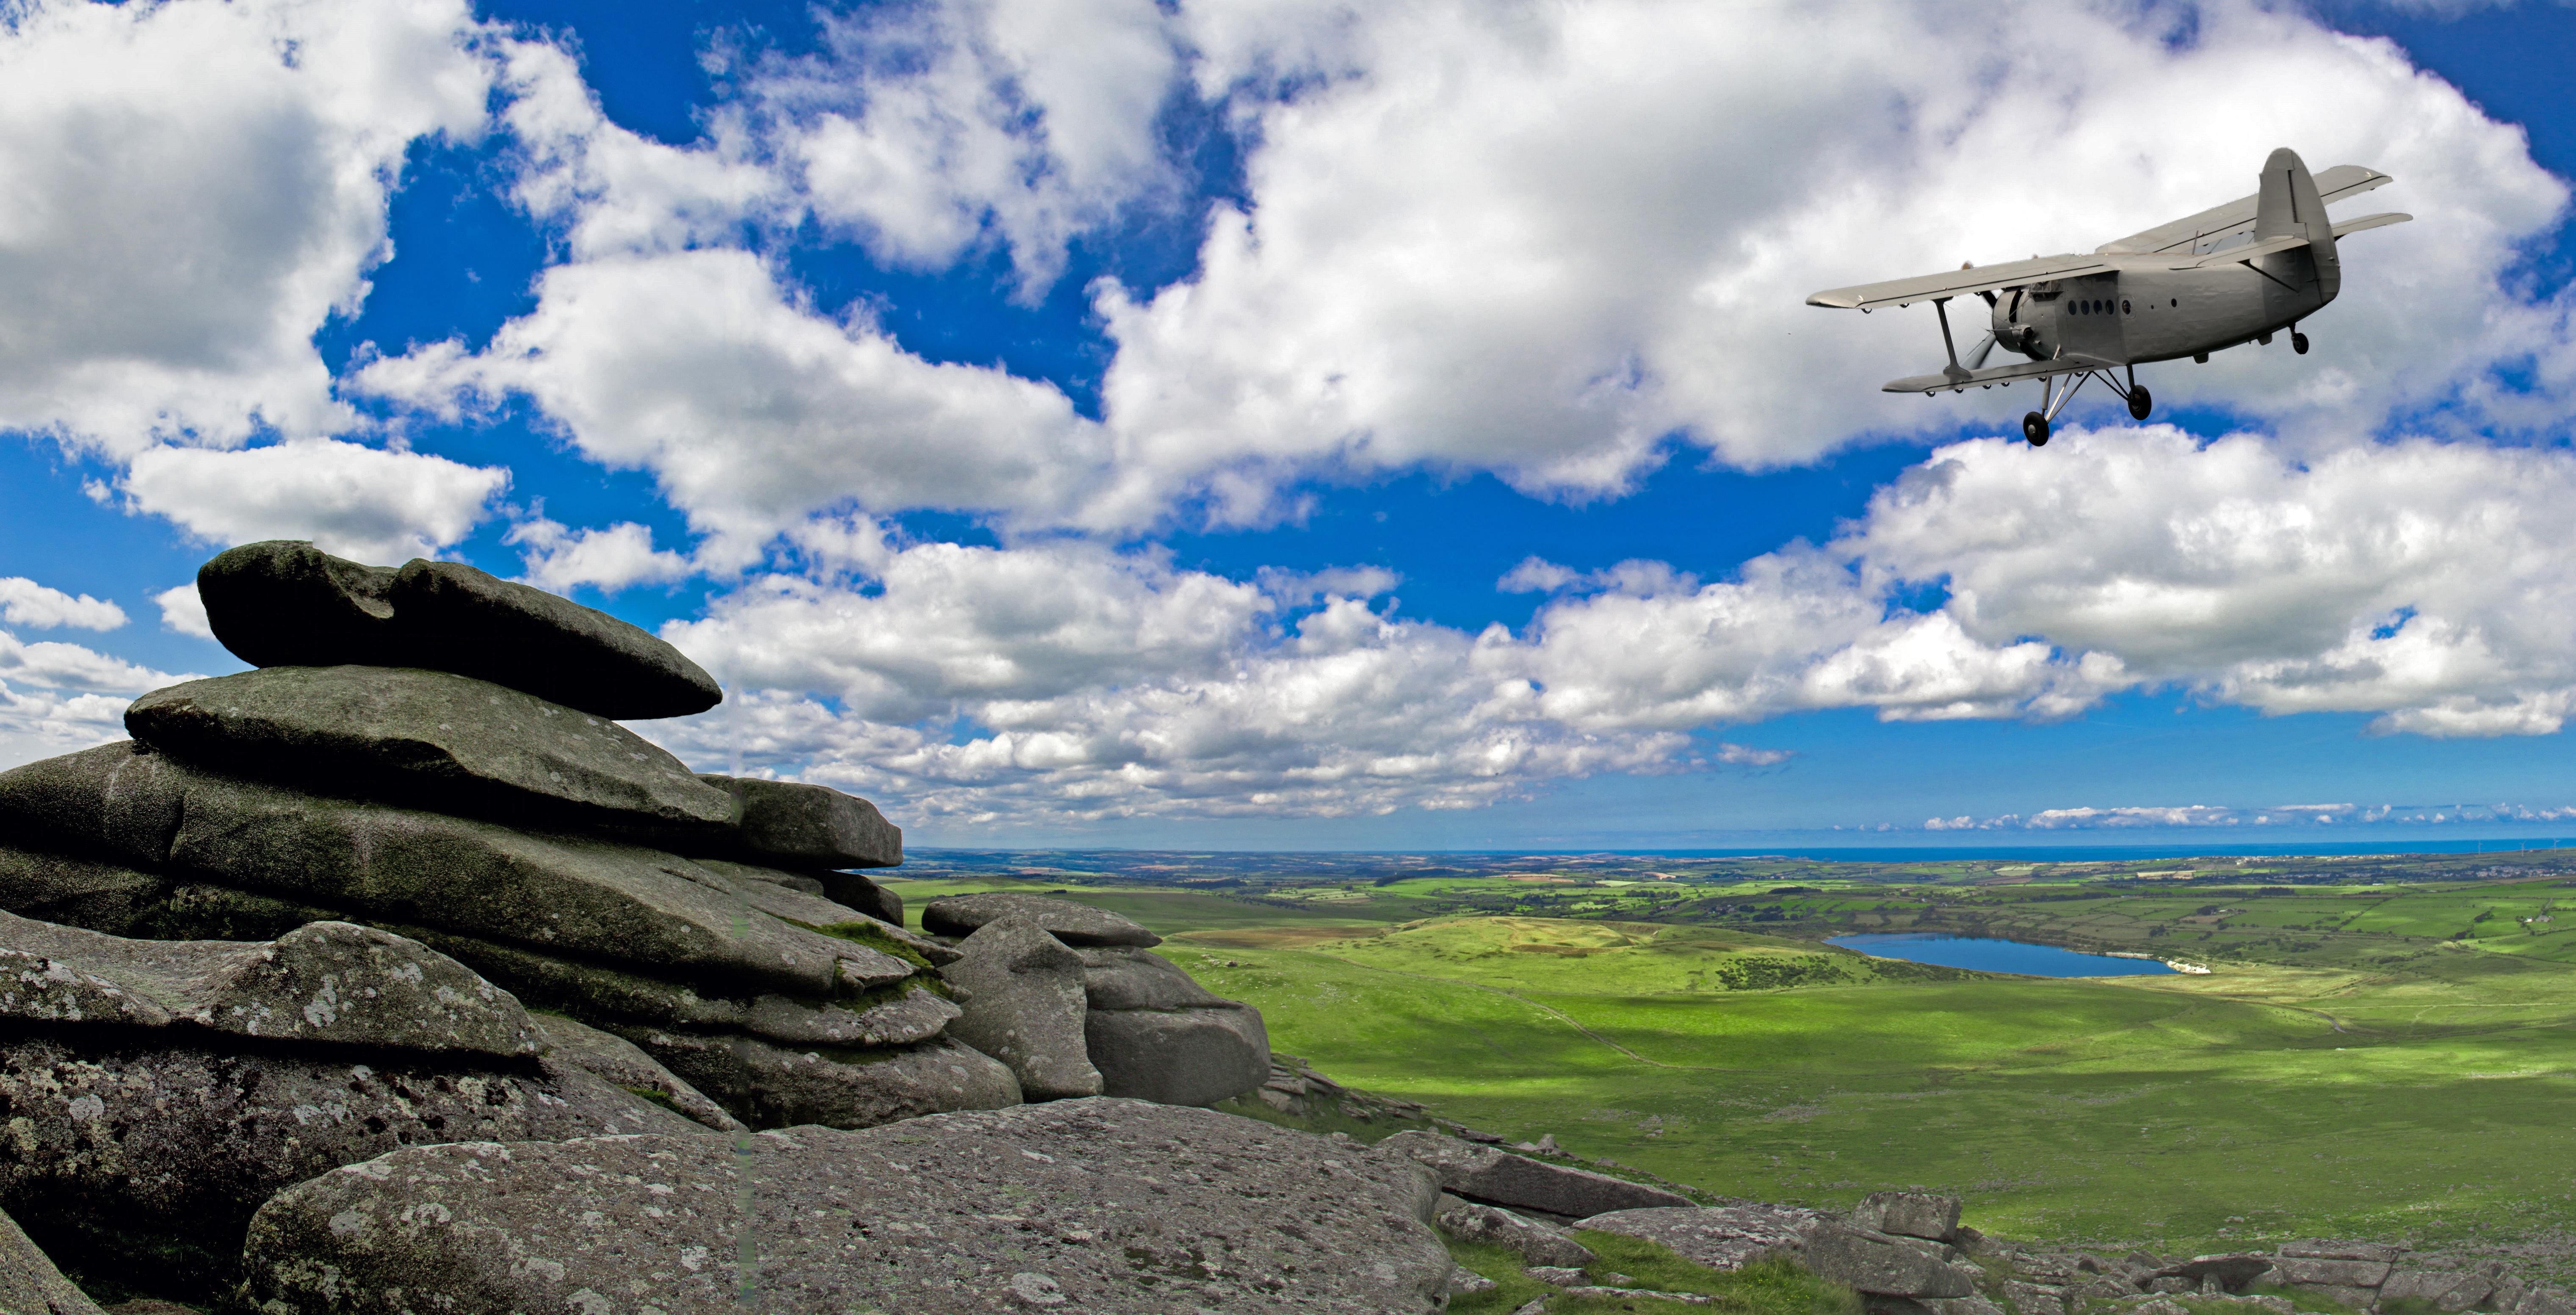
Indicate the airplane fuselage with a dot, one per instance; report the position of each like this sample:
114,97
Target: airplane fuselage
2145,310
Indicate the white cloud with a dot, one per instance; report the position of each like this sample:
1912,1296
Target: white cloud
189,190
42,724
183,610
72,667
611,558
23,602
362,502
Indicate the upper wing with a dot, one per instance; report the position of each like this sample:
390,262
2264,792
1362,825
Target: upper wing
1959,282
2197,233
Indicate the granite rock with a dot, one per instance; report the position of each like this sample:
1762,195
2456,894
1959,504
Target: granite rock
75,891
1720,1237
1126,977
1908,1214
329,982
769,1086
29,1283
1024,1007
428,739
1498,1177
1879,1263
1074,924
2311,1271
126,1156
622,1064
791,824
286,603
1079,1205
1179,1056
1536,1243
860,893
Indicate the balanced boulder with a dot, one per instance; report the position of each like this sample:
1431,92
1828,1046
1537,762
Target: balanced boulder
429,739
1024,1007
286,603
1078,1205
1071,923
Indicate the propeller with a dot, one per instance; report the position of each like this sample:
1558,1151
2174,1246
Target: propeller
1977,358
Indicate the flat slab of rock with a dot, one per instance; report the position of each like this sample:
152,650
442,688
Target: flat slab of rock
1075,1206
1881,1264
329,982
1071,923
790,902
2313,1271
429,739
618,903
1024,1007
1535,1242
811,826
1178,1056
287,603
768,1086
1720,1237
1498,1177
119,1149
622,1064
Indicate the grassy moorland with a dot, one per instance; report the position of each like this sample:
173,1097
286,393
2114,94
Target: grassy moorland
2388,1060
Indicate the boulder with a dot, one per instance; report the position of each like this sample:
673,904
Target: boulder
1125,977
2230,1272
1880,1263
2310,1272
29,1283
1720,1237
2544,1301
328,982
621,1064
286,603
1908,1214
762,889
866,896
768,1086
1077,1205
1536,1243
613,901
1071,923
456,618
1180,1056
792,824
1498,1177
913,1015
2319,1249
81,892
2450,1289
1024,1007
429,739
149,1159
2034,1299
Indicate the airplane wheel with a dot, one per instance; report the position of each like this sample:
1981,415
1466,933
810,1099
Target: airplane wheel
2035,428
2299,343
2141,402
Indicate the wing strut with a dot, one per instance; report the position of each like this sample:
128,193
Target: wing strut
1941,307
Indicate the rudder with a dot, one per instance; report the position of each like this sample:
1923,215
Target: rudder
2287,205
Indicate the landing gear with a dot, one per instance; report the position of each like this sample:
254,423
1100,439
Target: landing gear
2298,342
2141,403
2034,427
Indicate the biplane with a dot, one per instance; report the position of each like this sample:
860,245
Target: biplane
2232,274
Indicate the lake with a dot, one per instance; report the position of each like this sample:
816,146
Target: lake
1994,955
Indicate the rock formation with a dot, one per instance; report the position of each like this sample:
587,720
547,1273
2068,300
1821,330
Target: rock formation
409,883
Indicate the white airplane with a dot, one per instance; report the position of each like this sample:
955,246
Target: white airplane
2235,273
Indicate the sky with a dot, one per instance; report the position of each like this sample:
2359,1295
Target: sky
1291,424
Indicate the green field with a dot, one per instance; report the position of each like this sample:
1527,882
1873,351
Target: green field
2390,1061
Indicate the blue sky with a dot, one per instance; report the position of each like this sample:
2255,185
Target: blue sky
1279,424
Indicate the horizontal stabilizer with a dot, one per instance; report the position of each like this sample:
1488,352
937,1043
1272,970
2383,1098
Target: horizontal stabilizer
2370,221
1959,282
2248,251
2069,363
2197,232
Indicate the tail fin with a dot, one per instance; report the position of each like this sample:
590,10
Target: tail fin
2287,205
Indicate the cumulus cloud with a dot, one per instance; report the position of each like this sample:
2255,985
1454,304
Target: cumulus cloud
71,667
40,723
189,190
23,602
613,558
371,504
184,610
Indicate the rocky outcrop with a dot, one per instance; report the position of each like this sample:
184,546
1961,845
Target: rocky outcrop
1074,924
1079,1205
1498,1177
